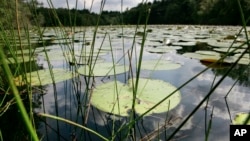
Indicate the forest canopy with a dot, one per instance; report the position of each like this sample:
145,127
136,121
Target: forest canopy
203,12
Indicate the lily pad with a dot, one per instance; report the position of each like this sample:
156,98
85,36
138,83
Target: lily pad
20,59
225,44
185,44
205,52
209,58
108,48
159,65
84,60
243,61
151,43
231,50
247,56
116,98
93,53
43,77
102,69
211,64
201,56
160,50
25,51
163,49
240,118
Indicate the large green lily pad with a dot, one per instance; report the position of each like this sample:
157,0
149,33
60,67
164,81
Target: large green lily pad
240,118
159,65
116,98
43,77
102,69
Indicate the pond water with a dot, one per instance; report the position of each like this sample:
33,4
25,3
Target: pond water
67,99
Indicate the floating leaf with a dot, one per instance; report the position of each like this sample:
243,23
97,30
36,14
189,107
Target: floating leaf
91,53
233,50
159,65
225,44
84,60
205,52
200,56
116,98
211,64
20,59
102,69
184,44
209,58
108,48
151,43
53,55
247,56
243,61
24,51
163,49
240,118
43,77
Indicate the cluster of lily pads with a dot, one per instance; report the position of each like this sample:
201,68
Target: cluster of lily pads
78,48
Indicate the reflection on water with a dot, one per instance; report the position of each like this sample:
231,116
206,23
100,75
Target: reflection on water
68,100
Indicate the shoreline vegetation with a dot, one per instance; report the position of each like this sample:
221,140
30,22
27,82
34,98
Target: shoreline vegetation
188,12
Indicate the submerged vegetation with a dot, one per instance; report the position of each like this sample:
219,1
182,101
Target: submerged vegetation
70,81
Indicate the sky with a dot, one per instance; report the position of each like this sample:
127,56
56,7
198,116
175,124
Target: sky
110,5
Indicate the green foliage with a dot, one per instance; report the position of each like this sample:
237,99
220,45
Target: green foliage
83,17
215,12
10,11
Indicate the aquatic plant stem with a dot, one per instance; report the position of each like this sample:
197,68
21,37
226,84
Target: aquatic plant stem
15,91
208,129
248,44
72,123
184,84
206,97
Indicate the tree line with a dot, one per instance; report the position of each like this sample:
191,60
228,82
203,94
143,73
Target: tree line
204,12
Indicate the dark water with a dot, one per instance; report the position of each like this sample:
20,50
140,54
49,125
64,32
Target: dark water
67,100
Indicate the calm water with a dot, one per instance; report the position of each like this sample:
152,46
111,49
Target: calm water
66,99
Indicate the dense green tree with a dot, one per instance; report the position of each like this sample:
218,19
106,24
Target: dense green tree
9,11
215,12
220,12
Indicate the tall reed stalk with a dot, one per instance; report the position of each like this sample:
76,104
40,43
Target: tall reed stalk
15,91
